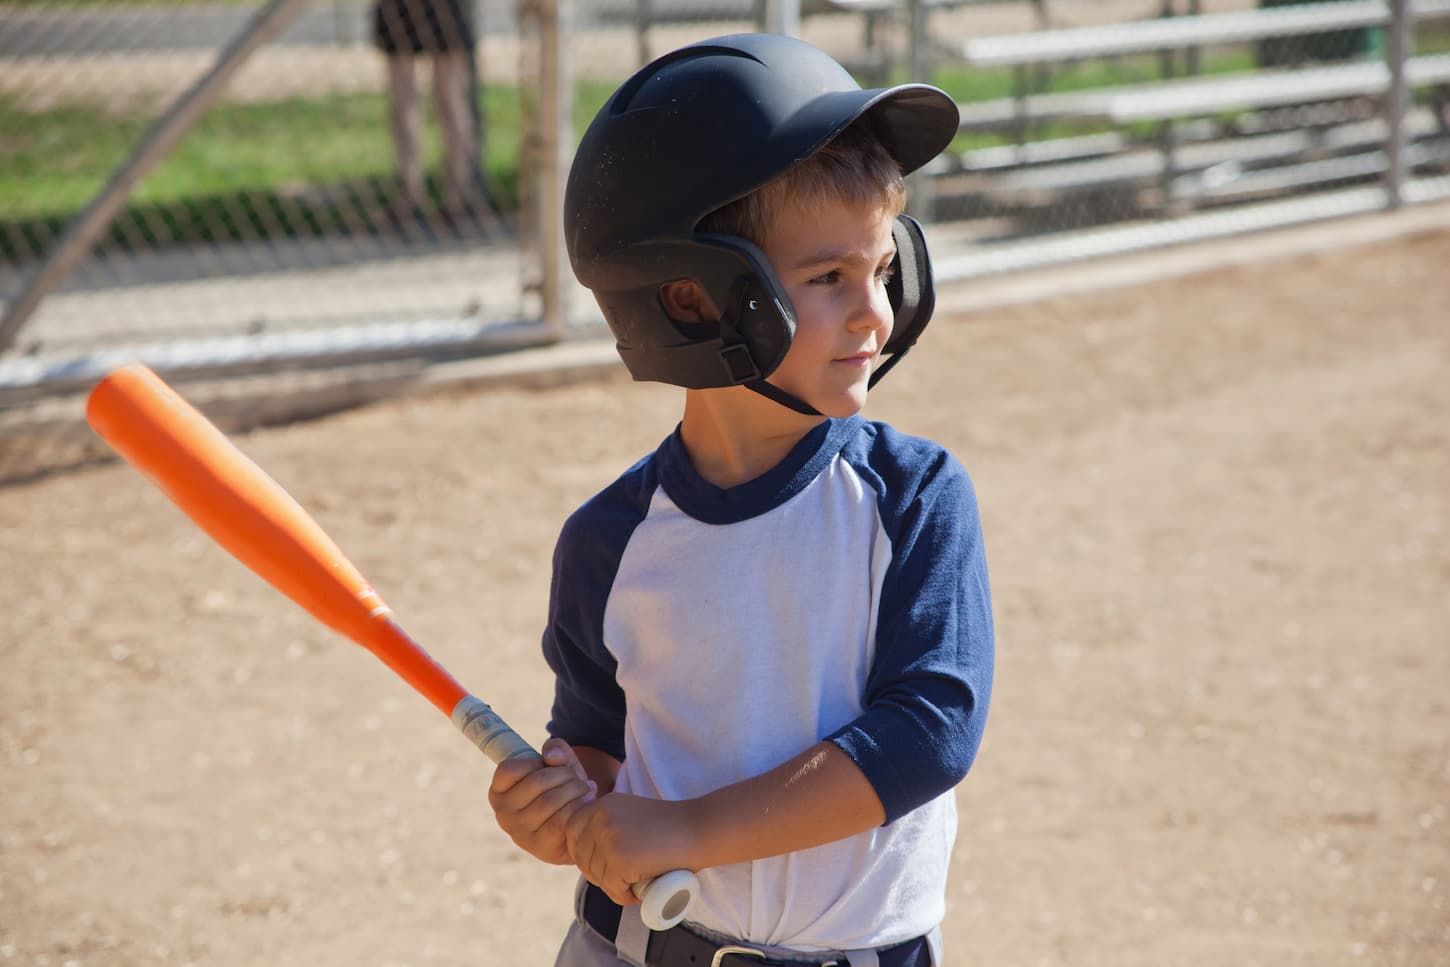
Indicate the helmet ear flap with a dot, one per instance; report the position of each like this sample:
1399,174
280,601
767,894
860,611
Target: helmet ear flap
756,325
757,321
910,289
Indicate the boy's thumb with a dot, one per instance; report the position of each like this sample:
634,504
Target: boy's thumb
556,752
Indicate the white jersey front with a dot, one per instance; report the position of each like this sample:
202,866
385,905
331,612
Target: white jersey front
705,636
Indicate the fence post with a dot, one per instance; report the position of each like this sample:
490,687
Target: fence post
1397,101
784,17
157,143
642,18
919,68
546,93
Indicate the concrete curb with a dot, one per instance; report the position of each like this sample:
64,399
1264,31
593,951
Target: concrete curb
52,436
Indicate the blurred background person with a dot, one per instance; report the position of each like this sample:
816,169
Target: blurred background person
443,32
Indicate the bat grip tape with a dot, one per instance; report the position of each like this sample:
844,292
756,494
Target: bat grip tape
490,733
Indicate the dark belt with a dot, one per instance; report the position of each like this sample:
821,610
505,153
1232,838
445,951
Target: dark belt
679,947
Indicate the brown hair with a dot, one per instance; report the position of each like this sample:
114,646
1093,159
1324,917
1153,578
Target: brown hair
854,167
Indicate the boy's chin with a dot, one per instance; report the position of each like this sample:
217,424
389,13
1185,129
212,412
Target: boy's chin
842,405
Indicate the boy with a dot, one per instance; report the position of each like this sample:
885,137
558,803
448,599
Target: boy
772,638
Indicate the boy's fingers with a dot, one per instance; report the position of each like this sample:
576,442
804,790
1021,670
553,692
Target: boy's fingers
511,794
587,837
574,834
621,893
593,862
510,773
557,803
557,752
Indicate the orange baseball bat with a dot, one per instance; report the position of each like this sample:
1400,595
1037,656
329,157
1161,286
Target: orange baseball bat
249,514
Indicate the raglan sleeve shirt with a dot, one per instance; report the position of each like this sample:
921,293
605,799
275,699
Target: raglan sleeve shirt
704,636
927,690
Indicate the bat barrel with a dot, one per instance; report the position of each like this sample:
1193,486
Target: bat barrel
251,516
231,498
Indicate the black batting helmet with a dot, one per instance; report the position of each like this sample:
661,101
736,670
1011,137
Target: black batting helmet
693,131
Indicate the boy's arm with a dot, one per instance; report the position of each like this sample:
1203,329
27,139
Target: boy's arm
816,797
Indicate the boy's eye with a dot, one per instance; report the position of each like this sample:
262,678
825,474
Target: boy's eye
883,274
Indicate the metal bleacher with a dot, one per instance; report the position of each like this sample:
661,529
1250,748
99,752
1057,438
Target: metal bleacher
1178,32
1219,137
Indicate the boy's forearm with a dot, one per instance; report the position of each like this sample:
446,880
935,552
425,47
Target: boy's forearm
817,797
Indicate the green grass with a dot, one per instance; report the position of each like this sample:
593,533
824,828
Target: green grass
245,170
54,162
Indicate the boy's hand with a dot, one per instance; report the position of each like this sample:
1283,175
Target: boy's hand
534,800
622,840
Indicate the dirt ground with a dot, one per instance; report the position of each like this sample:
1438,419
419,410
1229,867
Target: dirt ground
1216,513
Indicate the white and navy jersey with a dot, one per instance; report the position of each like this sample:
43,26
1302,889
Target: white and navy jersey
704,636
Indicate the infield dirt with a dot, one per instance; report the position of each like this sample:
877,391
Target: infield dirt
1216,516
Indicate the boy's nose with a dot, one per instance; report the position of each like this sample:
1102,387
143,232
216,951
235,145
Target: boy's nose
873,311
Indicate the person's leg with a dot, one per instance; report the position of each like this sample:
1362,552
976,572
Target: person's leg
452,83
407,124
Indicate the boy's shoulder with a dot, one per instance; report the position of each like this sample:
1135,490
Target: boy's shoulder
627,496
906,464
891,442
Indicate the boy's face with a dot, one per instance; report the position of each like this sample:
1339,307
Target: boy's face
832,259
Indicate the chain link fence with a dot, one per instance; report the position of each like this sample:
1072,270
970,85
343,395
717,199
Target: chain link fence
366,182
309,191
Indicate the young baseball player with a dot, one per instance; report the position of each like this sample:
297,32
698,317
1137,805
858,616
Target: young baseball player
772,637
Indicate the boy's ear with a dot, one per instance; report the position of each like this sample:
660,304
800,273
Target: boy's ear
685,301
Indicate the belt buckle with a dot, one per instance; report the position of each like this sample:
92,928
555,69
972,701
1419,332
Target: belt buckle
724,952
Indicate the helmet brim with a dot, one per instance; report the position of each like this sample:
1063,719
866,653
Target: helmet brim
914,122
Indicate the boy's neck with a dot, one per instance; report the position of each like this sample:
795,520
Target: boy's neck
734,435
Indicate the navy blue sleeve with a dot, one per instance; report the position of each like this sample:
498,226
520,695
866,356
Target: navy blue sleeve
589,705
927,693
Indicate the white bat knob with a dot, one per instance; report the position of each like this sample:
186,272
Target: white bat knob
664,900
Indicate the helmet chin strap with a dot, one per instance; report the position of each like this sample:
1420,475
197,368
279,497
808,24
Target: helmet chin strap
885,367
772,392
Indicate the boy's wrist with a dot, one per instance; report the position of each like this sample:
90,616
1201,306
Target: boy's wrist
704,832
716,831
